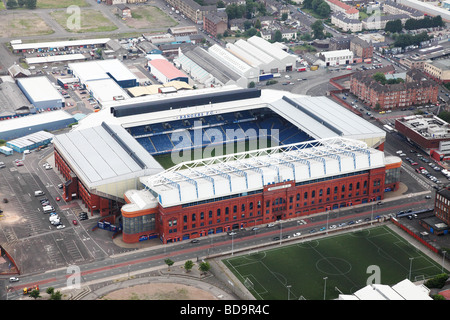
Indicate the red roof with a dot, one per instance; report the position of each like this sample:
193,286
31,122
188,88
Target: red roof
445,294
346,7
167,68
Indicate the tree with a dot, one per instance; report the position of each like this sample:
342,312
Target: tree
188,265
394,26
21,3
35,294
284,16
220,4
11,4
379,77
169,263
204,267
323,9
31,4
56,295
317,28
277,36
251,84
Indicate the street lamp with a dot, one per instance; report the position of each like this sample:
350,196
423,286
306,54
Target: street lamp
410,266
289,291
443,260
324,287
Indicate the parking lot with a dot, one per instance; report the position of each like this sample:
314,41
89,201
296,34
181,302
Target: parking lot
27,233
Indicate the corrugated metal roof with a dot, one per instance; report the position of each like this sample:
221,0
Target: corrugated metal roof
96,157
249,171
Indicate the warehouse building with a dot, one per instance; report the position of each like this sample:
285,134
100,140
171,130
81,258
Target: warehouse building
18,46
41,93
104,69
48,121
30,142
164,71
13,103
286,60
105,90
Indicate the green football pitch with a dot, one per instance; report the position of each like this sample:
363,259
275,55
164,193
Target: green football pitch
325,267
168,160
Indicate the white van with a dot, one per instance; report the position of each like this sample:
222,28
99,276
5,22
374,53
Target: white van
48,209
39,193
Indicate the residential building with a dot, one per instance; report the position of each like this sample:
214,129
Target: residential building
361,48
392,7
123,11
416,90
215,23
192,10
338,6
345,23
379,22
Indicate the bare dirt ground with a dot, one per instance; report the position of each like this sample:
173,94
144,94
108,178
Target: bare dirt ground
23,24
160,291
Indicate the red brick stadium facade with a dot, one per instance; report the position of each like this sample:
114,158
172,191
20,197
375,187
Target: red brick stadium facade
275,202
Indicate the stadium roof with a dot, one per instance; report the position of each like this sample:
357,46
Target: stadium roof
322,118
319,117
252,170
404,290
105,154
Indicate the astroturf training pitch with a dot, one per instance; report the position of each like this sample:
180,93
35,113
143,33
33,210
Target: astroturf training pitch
347,261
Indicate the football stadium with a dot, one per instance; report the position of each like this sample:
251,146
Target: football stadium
187,164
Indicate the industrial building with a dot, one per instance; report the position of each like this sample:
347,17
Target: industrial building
13,103
18,46
428,132
104,69
105,90
22,126
41,93
164,71
110,156
337,57
240,63
30,141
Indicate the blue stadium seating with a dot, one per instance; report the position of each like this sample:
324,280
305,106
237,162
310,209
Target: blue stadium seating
216,132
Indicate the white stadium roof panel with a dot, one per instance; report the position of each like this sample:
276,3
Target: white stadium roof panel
204,179
97,157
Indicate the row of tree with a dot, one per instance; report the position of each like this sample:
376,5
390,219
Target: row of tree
13,4
396,26
320,7
405,40
248,11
